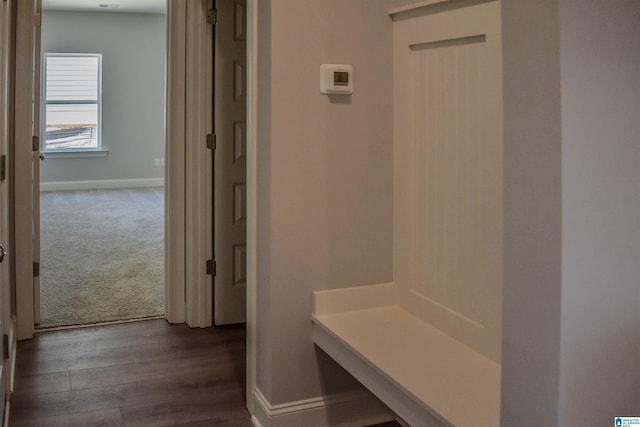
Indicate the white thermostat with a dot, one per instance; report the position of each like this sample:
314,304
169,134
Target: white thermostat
336,79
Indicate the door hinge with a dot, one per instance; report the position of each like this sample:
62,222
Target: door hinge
5,347
36,269
35,143
3,167
212,141
211,267
212,16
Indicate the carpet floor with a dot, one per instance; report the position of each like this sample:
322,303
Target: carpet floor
102,256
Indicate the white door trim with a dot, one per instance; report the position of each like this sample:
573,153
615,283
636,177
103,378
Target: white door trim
188,190
23,157
199,174
175,170
252,214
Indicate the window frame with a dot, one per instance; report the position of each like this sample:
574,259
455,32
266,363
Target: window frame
97,151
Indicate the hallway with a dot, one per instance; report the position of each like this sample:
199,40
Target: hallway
146,373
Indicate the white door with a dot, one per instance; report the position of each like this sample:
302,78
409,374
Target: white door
36,160
26,159
230,163
4,198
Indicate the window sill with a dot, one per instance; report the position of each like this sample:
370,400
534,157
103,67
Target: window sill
74,154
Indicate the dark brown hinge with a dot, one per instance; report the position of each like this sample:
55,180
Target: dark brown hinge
36,269
35,143
212,141
5,347
211,267
3,167
212,16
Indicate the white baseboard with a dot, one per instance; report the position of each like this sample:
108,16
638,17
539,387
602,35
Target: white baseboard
7,414
101,184
353,409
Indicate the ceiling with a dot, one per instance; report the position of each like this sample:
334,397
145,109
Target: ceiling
121,6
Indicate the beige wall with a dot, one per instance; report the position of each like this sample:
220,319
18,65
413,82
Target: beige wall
324,179
600,350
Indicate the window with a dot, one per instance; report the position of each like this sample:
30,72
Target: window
72,102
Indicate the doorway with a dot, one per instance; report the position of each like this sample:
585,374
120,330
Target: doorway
102,167
188,243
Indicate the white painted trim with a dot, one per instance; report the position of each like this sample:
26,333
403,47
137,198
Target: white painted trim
24,195
13,355
252,185
417,5
256,422
199,174
73,154
101,184
7,412
424,5
175,169
355,409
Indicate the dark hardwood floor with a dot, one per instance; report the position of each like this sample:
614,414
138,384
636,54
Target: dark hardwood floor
146,373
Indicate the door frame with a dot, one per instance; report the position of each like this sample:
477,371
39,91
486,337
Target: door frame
25,62
186,300
188,207
252,201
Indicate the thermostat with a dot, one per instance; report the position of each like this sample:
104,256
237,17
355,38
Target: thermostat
336,79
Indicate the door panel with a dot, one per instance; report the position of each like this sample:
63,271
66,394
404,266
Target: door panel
36,161
230,163
26,160
4,196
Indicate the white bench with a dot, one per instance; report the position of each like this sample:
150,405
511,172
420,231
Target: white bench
426,377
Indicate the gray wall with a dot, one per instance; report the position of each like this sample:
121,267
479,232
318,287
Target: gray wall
571,342
325,179
571,337
600,347
532,217
133,66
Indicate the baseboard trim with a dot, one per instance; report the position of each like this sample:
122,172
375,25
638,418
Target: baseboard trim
106,184
7,413
13,354
351,409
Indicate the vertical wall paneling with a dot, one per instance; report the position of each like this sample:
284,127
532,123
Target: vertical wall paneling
448,154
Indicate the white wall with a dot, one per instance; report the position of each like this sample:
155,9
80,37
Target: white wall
133,61
600,347
324,180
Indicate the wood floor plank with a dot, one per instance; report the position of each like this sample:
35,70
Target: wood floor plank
215,363
168,347
217,410
125,338
194,388
157,375
115,328
45,383
102,418
241,420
